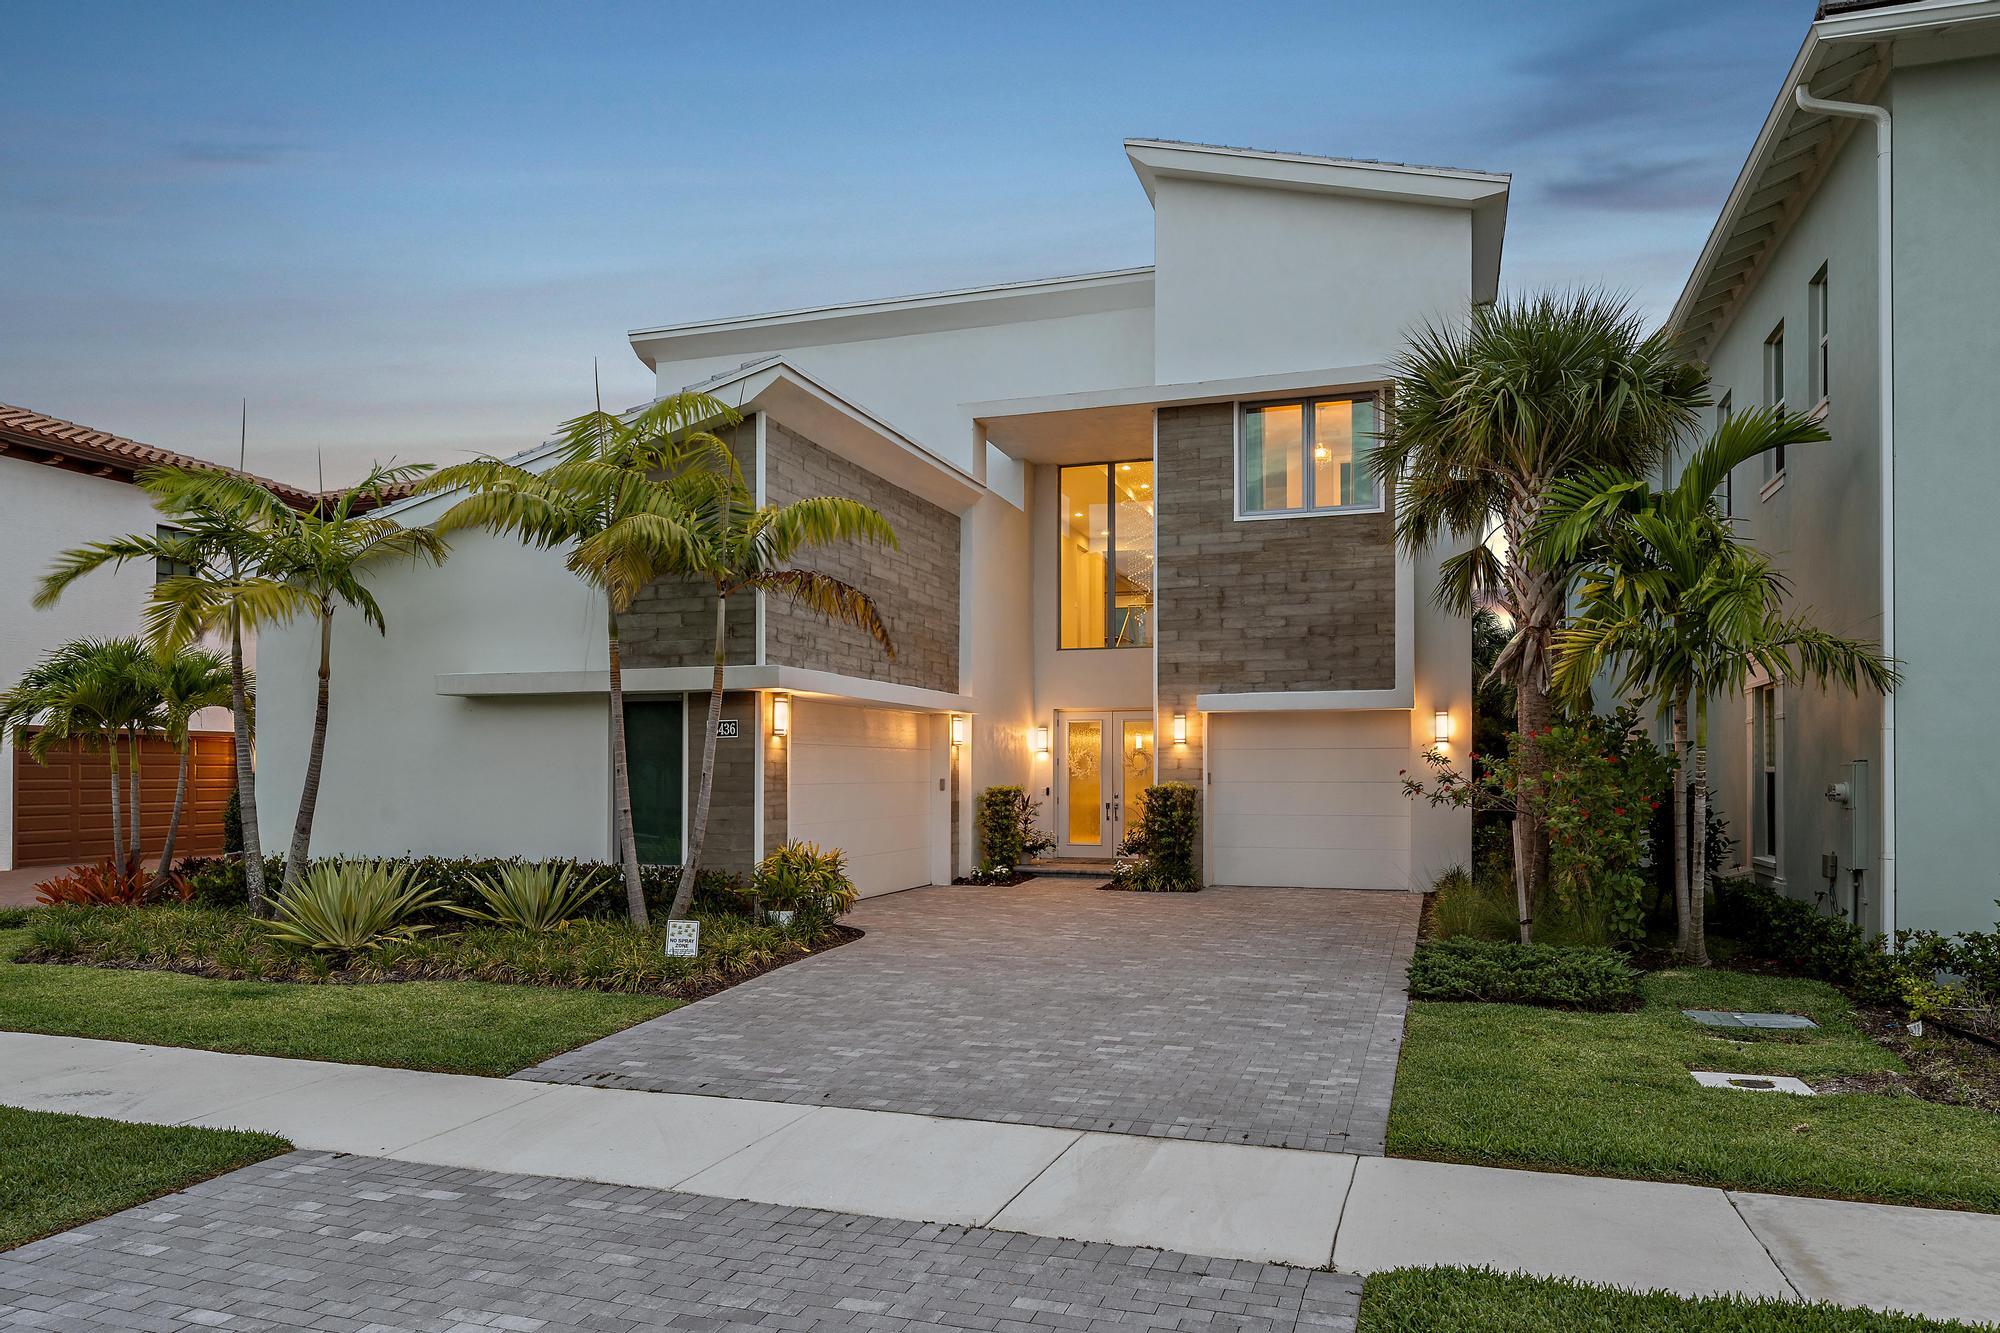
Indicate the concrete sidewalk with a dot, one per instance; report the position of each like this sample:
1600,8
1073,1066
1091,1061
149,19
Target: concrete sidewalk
1357,1214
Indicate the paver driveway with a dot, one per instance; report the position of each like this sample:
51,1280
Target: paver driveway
1265,1016
344,1244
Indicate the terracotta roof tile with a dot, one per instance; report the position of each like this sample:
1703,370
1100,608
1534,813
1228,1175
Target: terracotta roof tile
22,427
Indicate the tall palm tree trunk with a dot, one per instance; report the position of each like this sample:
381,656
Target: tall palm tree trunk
1697,945
137,850
1537,596
621,786
302,824
174,819
1682,919
246,774
117,799
684,890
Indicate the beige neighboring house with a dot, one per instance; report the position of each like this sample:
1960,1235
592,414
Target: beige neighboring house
1138,542
63,485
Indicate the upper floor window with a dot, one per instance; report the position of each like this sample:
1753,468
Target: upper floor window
164,568
1767,718
1309,457
1774,395
1723,411
1107,555
1816,333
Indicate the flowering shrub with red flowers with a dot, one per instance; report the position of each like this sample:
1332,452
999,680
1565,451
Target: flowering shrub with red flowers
1601,780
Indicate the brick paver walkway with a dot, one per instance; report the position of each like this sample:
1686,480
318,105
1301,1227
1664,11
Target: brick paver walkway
1265,1016
343,1244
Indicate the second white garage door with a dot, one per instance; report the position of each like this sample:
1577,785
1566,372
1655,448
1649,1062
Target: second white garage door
861,781
1313,800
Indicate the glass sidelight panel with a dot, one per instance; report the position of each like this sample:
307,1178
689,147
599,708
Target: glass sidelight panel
1083,743
1138,774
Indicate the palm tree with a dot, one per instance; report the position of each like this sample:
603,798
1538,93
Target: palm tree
745,547
187,682
1487,415
1681,609
216,541
322,554
91,691
616,499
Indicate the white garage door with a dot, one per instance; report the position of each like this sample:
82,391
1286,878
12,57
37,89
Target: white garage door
861,781
1309,799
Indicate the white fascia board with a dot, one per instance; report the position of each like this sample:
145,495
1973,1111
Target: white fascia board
1307,701
1081,427
1867,25
1178,395
930,312
801,681
799,402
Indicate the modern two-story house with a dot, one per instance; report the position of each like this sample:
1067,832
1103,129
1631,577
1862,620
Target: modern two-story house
1850,274
1138,542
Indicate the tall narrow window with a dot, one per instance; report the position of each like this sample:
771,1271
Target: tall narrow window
1308,457
1774,395
1765,753
1723,411
1107,555
1816,330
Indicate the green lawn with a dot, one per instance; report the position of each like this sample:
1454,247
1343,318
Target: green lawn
1458,1300
60,1171
459,1027
1609,1094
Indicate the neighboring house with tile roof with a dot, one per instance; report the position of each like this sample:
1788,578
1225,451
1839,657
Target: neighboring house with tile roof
62,485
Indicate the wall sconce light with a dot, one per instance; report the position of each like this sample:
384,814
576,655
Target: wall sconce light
1442,727
958,728
781,715
1180,728
1041,742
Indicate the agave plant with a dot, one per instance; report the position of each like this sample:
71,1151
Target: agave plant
532,896
351,906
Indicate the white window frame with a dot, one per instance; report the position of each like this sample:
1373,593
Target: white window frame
1818,339
1240,413
1771,865
1774,396
1725,408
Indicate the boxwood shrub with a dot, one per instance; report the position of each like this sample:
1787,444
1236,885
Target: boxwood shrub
1513,973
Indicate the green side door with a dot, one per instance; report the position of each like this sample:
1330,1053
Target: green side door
654,746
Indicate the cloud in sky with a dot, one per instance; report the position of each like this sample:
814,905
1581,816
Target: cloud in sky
408,230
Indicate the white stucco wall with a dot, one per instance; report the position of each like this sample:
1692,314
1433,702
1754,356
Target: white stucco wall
1254,281
1820,526
407,769
43,512
917,382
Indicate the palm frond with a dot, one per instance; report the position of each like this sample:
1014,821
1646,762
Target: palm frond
829,597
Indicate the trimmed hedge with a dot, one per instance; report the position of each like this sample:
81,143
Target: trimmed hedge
1494,971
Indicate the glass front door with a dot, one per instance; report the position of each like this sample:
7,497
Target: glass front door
1105,765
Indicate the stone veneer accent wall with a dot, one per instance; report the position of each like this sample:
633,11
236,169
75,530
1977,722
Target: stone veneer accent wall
731,822
915,587
672,623
1275,604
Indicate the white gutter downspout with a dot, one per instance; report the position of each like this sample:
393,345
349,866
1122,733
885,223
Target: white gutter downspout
1885,335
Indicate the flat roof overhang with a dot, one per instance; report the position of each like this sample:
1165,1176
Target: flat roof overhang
1106,424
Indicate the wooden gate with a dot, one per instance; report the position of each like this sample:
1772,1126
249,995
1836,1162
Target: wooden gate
62,809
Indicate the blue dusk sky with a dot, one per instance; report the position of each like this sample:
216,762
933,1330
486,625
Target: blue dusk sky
404,229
